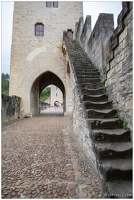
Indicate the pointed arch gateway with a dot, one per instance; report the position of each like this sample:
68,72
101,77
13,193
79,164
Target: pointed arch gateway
45,79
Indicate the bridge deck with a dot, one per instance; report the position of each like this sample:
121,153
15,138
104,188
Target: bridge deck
42,159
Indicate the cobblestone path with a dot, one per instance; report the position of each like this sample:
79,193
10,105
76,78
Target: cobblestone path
42,159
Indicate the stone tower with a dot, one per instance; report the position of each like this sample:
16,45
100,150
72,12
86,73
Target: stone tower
36,54
56,95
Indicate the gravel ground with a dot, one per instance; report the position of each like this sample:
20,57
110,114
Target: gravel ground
42,159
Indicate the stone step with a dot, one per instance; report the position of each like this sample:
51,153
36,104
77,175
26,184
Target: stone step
90,85
113,150
97,91
80,67
113,123
83,62
90,70
116,169
88,80
111,135
101,114
97,105
80,73
120,189
88,76
95,98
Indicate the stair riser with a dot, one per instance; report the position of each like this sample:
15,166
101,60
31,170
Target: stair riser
102,137
107,105
105,125
80,66
94,114
87,74
81,71
116,174
112,195
89,85
93,92
110,154
88,66
89,80
95,99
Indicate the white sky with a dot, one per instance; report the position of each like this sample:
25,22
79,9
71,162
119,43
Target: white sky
93,8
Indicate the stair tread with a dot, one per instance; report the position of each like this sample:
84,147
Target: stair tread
121,164
89,89
122,189
94,95
101,111
89,78
116,146
101,102
111,131
104,120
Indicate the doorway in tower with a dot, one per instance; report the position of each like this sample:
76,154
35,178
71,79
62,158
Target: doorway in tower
51,100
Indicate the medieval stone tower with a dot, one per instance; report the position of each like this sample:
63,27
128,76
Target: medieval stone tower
36,54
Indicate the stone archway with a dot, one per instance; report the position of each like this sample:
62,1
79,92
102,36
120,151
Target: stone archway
45,79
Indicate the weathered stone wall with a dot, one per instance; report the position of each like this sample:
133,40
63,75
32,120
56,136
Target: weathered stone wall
31,55
92,41
10,108
81,129
119,80
80,126
111,51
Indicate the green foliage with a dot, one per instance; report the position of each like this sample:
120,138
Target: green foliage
107,94
110,101
124,125
45,94
5,83
116,115
103,82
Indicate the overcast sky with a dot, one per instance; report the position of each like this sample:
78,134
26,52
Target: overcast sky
89,8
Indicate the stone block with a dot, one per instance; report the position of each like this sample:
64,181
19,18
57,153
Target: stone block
110,56
123,35
114,42
10,108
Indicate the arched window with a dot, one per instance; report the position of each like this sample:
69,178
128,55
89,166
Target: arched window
55,4
39,29
70,34
50,4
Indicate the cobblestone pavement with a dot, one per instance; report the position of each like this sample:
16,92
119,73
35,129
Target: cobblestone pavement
42,159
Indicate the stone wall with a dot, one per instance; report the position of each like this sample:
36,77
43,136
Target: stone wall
119,80
80,125
10,108
111,51
92,41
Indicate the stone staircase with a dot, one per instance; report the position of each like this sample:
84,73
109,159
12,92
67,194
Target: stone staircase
112,144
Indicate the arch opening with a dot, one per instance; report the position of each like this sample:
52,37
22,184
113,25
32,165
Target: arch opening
41,82
51,97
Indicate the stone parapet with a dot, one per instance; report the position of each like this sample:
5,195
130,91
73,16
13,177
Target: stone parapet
10,108
92,41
